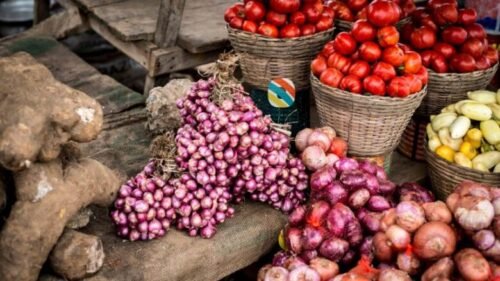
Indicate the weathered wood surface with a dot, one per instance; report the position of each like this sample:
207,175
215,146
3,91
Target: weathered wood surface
169,22
202,27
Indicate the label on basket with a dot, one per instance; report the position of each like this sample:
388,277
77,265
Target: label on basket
281,93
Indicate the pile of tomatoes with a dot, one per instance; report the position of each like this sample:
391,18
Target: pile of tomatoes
369,58
280,18
449,39
352,10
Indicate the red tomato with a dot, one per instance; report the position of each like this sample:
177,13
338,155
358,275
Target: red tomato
342,11
404,47
473,47
407,7
492,55
307,29
328,49
406,31
476,31
236,10
362,14
276,18
445,14
331,77
285,6
393,55
428,22
454,35
328,12
338,147
363,31
298,18
419,13
318,65
467,16
357,5
384,71
374,85
427,56
339,62
351,84
415,83
360,69
399,87
312,12
412,62
388,36
423,38
255,11
383,13
369,51
324,23
355,55
462,63
236,22
444,49
432,4
290,31
344,43
423,75
438,63
483,63
268,30
249,26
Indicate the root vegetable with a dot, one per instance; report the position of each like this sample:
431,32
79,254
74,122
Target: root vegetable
474,213
378,203
304,273
437,211
294,239
382,247
314,158
472,265
443,268
77,255
322,178
263,271
346,164
276,273
388,219
297,216
434,240
334,248
398,237
334,193
469,188
317,213
393,275
410,215
408,263
311,238
329,131
318,138
359,198
301,139
350,277
414,192
484,239
45,190
353,179
327,269
293,262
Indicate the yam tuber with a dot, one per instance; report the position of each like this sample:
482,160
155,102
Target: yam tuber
77,255
48,195
39,113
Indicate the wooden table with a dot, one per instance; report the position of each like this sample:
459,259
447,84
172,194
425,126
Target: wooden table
123,145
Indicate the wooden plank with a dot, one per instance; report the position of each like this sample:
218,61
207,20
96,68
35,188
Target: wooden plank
41,10
174,59
169,22
88,4
61,24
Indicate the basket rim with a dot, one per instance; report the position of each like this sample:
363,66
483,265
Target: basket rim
454,166
447,74
373,98
280,40
352,22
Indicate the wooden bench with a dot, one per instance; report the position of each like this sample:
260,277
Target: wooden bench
162,35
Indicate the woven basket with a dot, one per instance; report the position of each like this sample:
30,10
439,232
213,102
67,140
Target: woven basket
413,139
343,25
372,125
446,88
446,176
263,58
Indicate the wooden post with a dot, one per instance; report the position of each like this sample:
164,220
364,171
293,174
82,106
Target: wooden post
169,22
41,11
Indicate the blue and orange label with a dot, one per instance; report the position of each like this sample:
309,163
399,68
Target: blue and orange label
281,93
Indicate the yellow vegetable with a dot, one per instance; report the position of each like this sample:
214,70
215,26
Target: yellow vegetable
281,241
488,160
498,96
459,104
449,108
446,153
474,137
491,131
462,160
486,147
476,111
480,167
430,132
446,139
482,96
443,120
434,143
468,150
497,169
495,108
459,127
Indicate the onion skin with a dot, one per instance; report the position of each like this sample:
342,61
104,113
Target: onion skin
334,249
382,247
410,215
314,158
350,277
434,240
472,265
301,139
304,273
297,216
437,211
408,263
276,273
294,239
262,272
388,219
318,138
399,237
334,193
414,192
474,213
359,198
317,213
329,131
322,178
327,269
469,188
484,239
393,275
443,268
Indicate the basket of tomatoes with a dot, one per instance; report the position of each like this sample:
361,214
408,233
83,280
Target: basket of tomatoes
349,11
278,38
454,49
367,86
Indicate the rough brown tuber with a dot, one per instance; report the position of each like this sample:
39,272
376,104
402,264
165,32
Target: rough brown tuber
77,255
48,195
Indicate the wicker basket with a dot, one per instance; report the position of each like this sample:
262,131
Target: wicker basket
263,58
413,139
343,25
372,125
446,88
446,176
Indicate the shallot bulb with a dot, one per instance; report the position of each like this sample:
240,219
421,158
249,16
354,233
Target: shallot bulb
410,215
301,139
474,213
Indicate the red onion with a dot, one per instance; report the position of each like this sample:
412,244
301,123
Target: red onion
311,238
276,273
318,138
410,215
294,239
297,216
359,198
322,177
334,248
304,273
314,157
301,139
346,164
399,237
378,203
317,213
